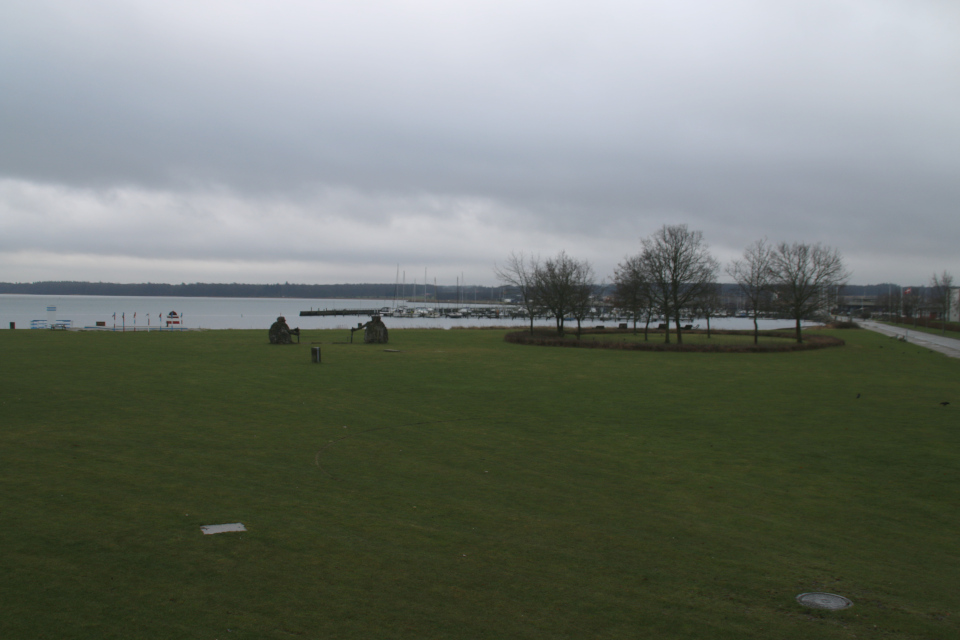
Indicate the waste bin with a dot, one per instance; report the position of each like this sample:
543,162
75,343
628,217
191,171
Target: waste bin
315,354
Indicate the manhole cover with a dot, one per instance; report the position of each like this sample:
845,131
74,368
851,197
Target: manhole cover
823,601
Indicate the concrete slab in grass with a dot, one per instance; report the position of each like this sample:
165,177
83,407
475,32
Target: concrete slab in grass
222,528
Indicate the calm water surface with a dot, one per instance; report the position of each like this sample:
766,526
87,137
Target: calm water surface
245,313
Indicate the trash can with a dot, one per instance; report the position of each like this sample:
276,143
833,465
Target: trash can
315,354
13,325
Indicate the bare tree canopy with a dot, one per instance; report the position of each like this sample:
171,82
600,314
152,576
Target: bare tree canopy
754,276
911,302
583,287
940,286
561,284
632,290
803,273
679,267
520,273
708,304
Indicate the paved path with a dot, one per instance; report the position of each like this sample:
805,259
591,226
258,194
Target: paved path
943,344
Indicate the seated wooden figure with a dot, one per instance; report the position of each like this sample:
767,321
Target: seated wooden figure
374,332
280,333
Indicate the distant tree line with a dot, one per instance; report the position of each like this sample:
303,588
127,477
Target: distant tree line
235,290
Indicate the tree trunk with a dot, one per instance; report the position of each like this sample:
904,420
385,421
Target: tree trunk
679,334
799,337
708,326
756,329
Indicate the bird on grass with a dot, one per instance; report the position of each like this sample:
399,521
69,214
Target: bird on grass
858,396
943,404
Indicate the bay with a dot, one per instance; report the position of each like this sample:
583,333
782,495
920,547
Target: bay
143,313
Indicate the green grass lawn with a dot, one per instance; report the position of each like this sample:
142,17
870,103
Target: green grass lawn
464,487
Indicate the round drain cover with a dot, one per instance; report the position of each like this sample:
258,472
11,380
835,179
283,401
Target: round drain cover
823,601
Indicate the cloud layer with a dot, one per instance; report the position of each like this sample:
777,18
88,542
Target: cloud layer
328,141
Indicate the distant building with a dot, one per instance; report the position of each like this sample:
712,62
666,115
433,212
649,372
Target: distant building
857,304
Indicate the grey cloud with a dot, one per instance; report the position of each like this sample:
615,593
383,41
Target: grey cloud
574,126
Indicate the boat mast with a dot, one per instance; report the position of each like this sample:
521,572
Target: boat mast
396,287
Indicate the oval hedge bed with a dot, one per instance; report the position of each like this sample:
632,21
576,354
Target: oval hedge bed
786,341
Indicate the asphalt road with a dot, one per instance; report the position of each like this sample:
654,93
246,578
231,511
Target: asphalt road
943,344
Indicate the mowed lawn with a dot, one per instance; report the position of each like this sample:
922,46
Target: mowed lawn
464,487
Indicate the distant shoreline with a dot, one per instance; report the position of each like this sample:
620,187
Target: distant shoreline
177,295
362,291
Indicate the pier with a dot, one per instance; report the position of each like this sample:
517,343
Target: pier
340,312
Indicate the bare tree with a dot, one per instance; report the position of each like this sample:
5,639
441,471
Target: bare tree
890,302
632,290
582,299
802,274
520,273
754,276
557,284
911,302
707,304
940,286
679,268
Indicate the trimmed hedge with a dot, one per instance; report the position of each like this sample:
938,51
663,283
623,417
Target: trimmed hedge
842,324
811,341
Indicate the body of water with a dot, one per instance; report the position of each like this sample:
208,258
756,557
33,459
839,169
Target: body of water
249,313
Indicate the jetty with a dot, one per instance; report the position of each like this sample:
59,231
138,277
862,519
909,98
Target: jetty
340,312
416,312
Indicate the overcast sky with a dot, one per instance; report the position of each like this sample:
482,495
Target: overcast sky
327,142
